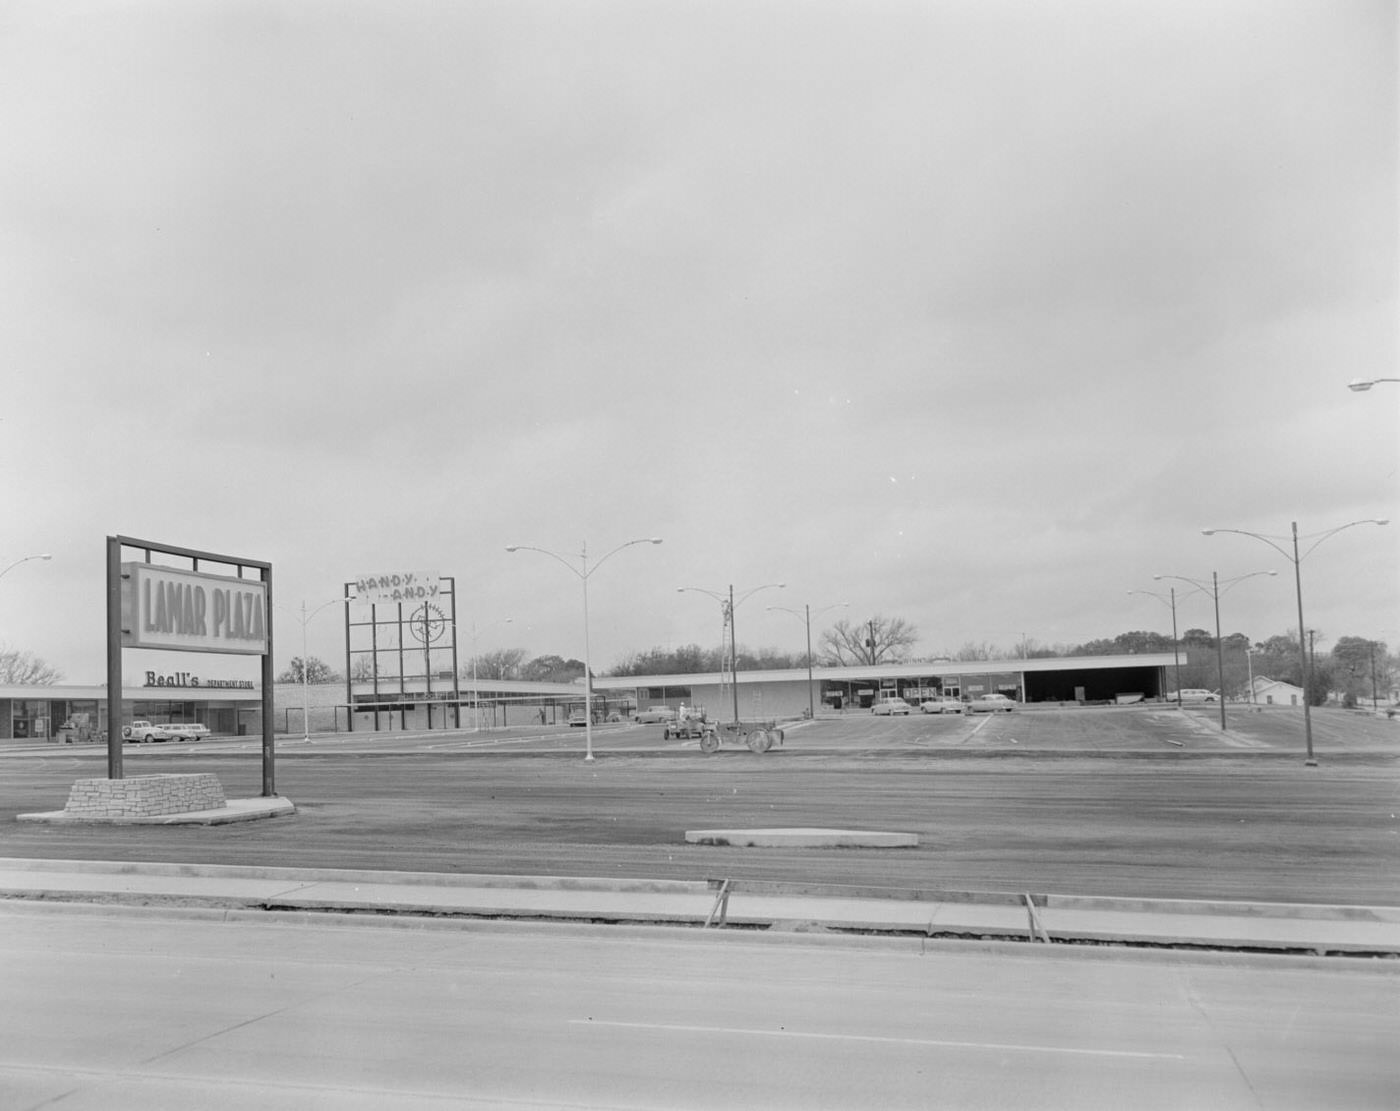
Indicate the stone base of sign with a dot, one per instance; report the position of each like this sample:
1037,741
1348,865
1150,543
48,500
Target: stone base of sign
144,796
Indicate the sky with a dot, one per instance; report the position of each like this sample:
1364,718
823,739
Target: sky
969,313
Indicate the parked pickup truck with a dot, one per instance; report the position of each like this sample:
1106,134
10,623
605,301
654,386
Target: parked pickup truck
144,731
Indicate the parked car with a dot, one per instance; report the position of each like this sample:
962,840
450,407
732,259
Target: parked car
191,731
941,706
892,706
579,718
1192,694
991,704
655,715
145,731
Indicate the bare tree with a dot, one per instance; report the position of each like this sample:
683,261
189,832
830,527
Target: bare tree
873,641
26,669
316,671
504,664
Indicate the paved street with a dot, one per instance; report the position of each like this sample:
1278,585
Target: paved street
122,1009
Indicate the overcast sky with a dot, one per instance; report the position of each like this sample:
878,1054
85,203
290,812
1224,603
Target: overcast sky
970,313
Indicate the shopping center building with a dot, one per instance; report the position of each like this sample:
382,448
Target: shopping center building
234,707
795,692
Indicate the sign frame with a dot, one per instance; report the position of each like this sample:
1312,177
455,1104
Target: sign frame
119,636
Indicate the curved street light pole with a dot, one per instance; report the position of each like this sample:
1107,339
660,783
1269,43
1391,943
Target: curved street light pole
807,616
25,559
476,687
1297,561
728,605
1356,385
1176,642
305,681
1214,589
583,571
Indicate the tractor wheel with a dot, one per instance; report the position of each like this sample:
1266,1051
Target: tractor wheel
709,742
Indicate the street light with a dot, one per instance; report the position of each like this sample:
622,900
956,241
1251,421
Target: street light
1356,385
1176,643
807,614
1297,561
727,608
476,689
305,682
583,571
26,559
1219,644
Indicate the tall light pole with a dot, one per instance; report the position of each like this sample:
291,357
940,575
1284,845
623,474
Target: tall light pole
25,559
1214,589
728,605
305,680
583,571
1275,542
1176,642
476,689
807,615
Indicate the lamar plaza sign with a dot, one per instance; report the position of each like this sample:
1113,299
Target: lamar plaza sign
186,608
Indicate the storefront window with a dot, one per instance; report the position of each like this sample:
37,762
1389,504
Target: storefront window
31,719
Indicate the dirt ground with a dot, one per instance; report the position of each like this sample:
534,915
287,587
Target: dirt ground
1117,811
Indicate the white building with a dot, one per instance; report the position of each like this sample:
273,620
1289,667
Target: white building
1275,692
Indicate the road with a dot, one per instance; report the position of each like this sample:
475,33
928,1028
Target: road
124,1009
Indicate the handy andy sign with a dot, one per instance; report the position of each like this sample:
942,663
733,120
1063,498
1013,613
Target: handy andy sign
398,586
163,607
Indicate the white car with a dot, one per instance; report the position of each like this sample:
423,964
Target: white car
145,731
655,715
1192,694
941,706
191,731
890,706
991,704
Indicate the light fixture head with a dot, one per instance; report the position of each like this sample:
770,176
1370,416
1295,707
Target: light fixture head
1207,532
1359,385
512,547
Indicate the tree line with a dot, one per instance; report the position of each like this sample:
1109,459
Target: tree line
1353,668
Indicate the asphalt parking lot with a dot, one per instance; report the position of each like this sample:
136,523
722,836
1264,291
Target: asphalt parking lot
1152,802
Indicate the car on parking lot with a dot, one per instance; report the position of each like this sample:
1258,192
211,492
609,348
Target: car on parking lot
188,731
943,705
654,715
994,703
892,706
139,732
1192,694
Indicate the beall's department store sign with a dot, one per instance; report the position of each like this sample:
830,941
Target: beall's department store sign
185,679
164,607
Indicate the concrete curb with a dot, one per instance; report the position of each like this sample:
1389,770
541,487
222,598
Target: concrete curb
234,810
1283,928
806,838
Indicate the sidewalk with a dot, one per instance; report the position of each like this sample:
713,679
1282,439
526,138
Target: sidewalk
1279,927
